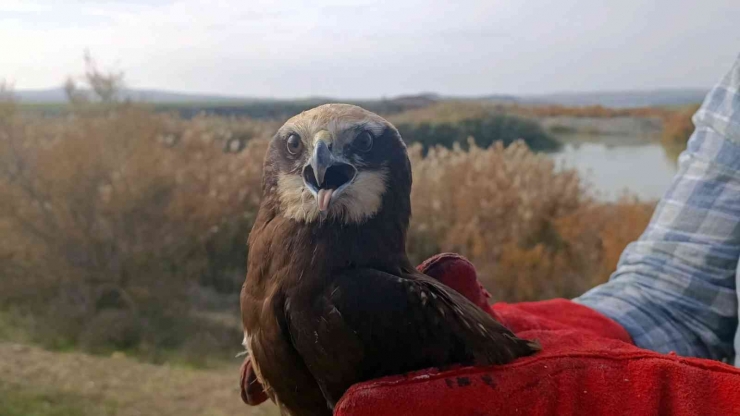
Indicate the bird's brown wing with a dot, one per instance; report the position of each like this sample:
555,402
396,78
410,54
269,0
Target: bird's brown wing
369,324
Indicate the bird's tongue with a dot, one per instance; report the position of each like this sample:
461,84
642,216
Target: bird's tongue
324,198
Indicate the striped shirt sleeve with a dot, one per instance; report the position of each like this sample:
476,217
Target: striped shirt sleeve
675,287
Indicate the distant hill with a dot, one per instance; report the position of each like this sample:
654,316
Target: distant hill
50,102
619,99
57,95
616,99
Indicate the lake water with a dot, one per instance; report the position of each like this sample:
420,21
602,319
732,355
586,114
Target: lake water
644,170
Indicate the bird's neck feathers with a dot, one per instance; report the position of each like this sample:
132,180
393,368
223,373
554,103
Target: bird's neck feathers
297,253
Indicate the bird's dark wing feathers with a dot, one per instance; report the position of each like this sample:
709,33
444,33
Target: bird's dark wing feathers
369,324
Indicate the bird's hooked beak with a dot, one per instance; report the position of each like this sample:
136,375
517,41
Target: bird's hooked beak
326,176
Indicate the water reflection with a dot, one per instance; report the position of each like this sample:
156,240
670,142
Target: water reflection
642,169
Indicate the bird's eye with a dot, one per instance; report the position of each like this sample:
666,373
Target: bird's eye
363,142
294,144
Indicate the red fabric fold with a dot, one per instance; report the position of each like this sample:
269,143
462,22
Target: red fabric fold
587,366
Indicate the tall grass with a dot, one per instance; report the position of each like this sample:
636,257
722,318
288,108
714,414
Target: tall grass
111,232
531,229
677,128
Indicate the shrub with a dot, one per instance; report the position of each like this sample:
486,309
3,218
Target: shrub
531,229
108,228
449,123
677,128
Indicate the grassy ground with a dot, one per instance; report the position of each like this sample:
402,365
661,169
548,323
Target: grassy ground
19,402
36,382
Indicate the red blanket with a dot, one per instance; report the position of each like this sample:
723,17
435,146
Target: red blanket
587,366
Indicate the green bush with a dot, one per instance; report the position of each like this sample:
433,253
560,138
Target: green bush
486,130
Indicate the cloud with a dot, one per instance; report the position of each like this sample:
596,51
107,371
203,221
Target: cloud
371,48
22,6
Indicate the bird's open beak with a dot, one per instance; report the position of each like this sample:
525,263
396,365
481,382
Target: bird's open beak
322,160
326,176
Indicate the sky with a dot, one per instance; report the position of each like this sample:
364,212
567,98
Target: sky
370,49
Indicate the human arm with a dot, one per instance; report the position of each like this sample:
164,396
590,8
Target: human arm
675,288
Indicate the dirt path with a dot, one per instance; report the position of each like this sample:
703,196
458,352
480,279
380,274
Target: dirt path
125,387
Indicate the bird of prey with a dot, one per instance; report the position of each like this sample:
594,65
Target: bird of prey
331,298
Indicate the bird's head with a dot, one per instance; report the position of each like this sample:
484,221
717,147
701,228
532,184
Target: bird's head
337,162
